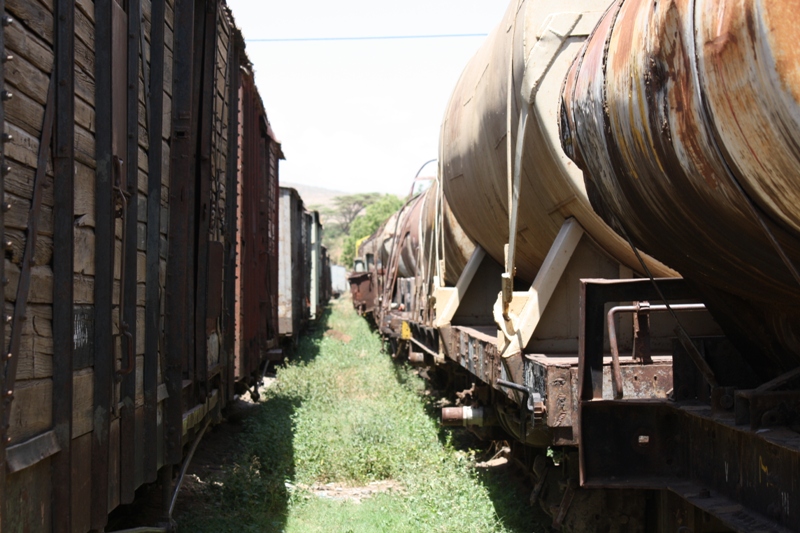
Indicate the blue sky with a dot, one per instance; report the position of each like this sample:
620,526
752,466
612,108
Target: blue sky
360,116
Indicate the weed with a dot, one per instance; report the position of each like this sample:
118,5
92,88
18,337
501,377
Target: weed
343,412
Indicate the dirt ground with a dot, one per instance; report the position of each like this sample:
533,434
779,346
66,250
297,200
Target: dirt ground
220,446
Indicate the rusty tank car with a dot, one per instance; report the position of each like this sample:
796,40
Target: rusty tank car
625,174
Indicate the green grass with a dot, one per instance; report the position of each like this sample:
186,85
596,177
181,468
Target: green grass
345,413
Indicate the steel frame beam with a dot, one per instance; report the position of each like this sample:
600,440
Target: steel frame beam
152,311
104,275
63,260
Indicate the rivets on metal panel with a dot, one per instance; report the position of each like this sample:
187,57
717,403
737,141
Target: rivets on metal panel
7,21
6,96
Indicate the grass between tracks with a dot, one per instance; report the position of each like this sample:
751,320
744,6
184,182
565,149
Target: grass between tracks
342,412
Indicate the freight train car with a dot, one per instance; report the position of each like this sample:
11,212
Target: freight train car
304,287
585,170
123,211
363,278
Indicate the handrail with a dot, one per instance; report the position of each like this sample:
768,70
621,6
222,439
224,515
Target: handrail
616,372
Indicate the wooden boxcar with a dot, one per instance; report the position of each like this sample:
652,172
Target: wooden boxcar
123,124
293,304
257,244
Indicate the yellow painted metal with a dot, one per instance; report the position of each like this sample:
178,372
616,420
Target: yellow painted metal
405,331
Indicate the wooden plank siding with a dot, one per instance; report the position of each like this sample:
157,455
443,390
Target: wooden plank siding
114,432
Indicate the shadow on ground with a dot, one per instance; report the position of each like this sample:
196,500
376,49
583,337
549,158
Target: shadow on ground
240,476
507,486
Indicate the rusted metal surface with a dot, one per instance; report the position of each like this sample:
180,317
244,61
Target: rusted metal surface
688,141
467,416
595,295
541,40
423,243
362,291
255,253
657,445
616,373
703,444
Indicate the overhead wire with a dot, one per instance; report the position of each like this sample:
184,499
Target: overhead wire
366,38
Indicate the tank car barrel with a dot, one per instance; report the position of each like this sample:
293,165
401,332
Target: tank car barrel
689,141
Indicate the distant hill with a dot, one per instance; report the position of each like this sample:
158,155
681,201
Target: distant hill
315,196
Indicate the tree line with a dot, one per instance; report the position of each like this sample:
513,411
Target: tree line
352,217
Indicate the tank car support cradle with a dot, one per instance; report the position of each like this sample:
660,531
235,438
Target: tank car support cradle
712,455
524,310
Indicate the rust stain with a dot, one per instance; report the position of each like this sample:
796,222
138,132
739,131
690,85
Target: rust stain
782,19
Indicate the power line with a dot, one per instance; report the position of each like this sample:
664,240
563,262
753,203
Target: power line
366,38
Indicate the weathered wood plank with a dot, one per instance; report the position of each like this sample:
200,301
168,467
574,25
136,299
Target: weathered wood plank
84,115
84,147
36,343
28,493
113,464
42,254
141,268
24,44
19,183
139,402
31,410
28,453
26,77
82,402
84,196
81,483
24,148
83,287
17,216
41,290
86,7
84,251
84,31
25,113
83,337
84,85
34,16
139,334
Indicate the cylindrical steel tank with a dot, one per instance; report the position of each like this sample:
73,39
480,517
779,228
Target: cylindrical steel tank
411,235
455,246
541,38
684,115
